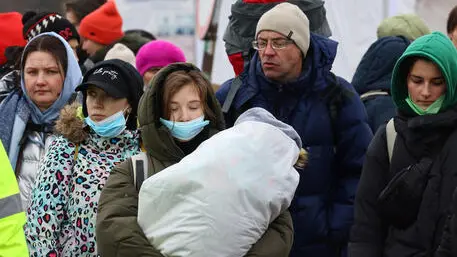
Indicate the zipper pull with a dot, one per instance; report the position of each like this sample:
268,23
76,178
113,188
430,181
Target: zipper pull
280,88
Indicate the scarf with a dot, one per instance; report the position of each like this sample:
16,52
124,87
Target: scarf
14,114
17,110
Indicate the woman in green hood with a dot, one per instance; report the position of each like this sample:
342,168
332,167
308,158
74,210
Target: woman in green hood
175,116
409,172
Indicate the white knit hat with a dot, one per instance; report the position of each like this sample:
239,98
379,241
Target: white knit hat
289,20
262,115
122,52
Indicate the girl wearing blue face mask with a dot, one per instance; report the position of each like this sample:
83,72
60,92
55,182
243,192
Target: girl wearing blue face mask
175,116
62,214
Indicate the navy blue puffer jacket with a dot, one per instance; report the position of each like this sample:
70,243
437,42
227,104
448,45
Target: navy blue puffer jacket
322,210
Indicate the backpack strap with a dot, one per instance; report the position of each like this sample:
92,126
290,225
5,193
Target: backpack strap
371,93
391,136
236,83
333,95
140,169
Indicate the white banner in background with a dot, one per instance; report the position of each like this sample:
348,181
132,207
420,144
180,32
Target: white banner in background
353,23
172,20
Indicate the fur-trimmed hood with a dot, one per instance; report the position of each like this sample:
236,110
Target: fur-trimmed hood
70,124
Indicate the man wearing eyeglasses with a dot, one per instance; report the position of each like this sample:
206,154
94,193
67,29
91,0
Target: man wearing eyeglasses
288,76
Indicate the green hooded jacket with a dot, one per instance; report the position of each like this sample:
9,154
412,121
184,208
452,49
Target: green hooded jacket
118,233
438,48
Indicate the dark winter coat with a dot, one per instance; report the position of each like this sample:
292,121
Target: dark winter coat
323,207
374,74
402,204
448,247
374,235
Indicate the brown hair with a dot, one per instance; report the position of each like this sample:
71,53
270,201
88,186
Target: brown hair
452,20
81,8
48,44
177,80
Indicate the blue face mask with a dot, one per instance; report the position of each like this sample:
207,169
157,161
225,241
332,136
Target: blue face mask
109,127
185,131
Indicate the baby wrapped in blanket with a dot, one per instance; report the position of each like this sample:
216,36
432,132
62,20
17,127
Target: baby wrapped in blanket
220,199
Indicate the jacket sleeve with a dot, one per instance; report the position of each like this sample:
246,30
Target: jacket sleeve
369,231
117,231
277,240
353,137
12,217
449,237
444,250
46,214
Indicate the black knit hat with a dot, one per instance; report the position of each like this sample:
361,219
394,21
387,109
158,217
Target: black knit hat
37,23
118,79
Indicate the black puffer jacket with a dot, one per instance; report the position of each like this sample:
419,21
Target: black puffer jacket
448,247
375,234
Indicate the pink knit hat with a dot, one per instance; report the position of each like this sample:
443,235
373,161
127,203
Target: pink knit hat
158,54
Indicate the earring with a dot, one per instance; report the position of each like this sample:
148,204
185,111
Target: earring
127,112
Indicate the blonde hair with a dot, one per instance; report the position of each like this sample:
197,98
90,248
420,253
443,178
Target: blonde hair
302,159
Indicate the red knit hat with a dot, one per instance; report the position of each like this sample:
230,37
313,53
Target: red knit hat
11,29
103,25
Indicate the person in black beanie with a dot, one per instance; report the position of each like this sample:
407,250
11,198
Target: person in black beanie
37,23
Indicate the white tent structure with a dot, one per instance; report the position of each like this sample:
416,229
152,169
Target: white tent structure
353,24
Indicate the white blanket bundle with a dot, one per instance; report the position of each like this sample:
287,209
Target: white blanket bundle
219,200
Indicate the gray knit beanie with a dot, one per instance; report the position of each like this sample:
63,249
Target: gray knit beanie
289,20
262,115
121,52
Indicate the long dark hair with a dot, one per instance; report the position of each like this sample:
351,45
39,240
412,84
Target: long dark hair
48,44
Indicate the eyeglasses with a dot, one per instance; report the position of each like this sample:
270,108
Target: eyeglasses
277,44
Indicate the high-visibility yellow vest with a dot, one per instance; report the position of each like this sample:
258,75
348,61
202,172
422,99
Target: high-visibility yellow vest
12,217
